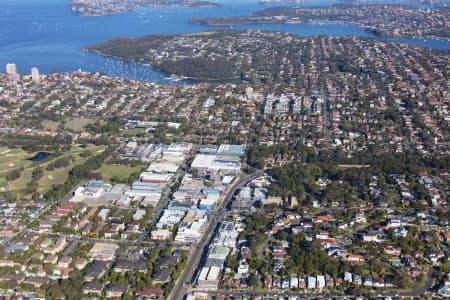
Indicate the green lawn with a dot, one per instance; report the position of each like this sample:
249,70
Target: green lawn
77,124
131,132
11,159
50,125
122,172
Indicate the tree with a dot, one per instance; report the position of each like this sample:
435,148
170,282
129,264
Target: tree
14,174
232,261
48,268
37,174
253,280
54,292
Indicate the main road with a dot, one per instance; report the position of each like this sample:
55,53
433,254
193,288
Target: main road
183,282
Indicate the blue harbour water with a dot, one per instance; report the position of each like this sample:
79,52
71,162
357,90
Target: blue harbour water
40,156
46,34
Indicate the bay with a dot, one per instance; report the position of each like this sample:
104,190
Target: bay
46,34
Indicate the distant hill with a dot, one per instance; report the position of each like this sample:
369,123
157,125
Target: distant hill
106,7
387,20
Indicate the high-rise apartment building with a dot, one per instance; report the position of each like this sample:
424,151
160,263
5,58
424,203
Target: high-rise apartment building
35,74
11,69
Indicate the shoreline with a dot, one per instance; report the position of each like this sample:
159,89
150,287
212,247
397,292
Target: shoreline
86,11
165,74
367,28
159,65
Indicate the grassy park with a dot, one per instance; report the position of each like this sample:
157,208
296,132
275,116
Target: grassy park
119,173
73,124
11,159
77,124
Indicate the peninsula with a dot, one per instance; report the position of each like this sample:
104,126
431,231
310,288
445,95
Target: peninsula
107,7
387,20
251,55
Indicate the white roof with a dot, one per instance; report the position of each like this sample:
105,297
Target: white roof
203,273
208,201
131,145
155,176
214,273
205,161
227,179
162,167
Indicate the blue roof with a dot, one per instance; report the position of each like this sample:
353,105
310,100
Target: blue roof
95,183
207,191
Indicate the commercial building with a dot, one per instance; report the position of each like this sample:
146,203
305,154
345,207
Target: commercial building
215,164
170,218
189,189
209,278
161,234
227,235
150,177
225,160
92,192
163,168
218,254
209,202
231,150
150,200
103,251
192,227
144,188
96,193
